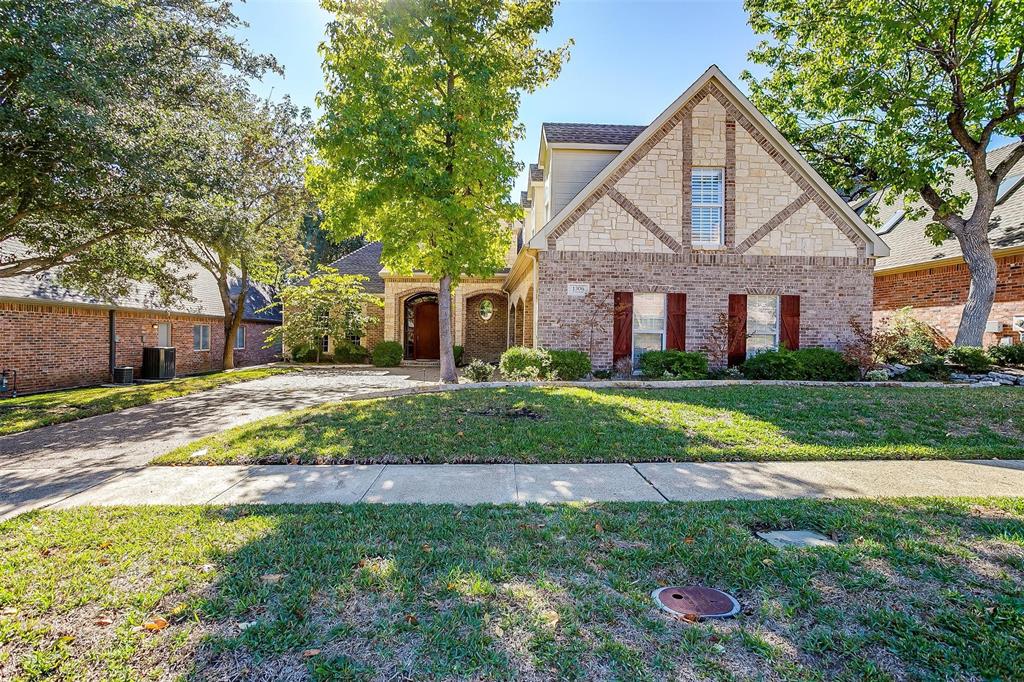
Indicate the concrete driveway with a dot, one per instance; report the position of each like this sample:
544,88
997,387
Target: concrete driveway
41,466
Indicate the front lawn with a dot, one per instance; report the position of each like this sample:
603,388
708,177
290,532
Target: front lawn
595,425
916,590
42,409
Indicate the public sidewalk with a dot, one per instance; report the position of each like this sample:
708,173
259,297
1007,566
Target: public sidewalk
549,483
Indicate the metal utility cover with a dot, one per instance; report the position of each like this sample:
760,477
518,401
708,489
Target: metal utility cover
697,601
784,539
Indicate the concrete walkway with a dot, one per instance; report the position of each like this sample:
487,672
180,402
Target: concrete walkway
43,465
544,483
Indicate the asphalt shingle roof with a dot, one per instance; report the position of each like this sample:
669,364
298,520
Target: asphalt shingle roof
204,298
910,245
591,133
363,261
536,174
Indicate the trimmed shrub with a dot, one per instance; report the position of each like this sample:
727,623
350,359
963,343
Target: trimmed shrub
569,365
525,364
772,364
824,364
1012,356
458,352
674,364
387,354
971,358
305,353
478,371
876,375
346,351
725,373
933,367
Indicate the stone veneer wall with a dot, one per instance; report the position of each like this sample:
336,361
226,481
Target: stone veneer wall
938,295
53,346
831,290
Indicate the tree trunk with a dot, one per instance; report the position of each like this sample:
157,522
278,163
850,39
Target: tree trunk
978,255
234,310
444,323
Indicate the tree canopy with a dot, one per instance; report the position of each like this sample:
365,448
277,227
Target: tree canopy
420,104
896,95
103,106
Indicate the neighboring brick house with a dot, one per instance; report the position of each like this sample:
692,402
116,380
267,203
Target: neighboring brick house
934,280
658,236
60,338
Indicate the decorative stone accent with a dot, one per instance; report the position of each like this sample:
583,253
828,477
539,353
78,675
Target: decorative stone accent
639,215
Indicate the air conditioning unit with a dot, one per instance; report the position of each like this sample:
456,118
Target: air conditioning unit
158,363
124,375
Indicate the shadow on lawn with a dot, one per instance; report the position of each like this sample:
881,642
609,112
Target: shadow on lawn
380,592
583,425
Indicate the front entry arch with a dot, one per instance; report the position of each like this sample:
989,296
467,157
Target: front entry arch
422,337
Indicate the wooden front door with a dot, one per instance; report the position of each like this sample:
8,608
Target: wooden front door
425,341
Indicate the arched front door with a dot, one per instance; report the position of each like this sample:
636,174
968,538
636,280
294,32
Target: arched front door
426,344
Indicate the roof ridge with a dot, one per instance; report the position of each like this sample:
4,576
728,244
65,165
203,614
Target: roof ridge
354,252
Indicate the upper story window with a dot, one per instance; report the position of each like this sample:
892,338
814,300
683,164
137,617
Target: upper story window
708,192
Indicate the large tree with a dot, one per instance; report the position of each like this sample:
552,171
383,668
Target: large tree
420,116
102,111
896,95
246,228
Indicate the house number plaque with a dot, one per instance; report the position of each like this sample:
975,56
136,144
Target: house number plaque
577,289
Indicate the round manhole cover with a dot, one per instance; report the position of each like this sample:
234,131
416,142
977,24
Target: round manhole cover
696,601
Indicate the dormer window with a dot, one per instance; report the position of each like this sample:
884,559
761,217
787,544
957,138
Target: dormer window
708,193
1006,187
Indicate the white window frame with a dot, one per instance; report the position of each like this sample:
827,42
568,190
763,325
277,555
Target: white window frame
204,337
664,326
240,332
751,352
719,173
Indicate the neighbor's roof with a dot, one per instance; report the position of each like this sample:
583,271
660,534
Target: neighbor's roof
536,174
363,261
910,246
44,287
524,199
591,133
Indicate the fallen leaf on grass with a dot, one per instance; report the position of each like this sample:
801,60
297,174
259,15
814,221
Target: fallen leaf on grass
688,540
103,621
310,653
550,618
598,527
272,578
8,611
155,625
688,617
411,619
106,544
427,548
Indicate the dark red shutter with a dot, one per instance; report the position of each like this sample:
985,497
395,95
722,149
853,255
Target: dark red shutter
789,333
676,322
622,329
737,329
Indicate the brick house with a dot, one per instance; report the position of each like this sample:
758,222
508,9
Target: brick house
934,280
642,237
61,338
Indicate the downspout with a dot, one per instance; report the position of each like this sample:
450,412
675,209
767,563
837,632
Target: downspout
112,334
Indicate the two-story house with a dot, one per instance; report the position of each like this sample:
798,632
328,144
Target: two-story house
659,236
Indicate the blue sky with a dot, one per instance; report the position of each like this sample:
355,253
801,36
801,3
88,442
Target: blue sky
630,59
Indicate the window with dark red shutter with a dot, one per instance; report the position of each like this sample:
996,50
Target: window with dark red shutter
676,322
622,328
789,333
737,329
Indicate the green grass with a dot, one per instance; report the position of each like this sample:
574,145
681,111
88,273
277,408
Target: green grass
43,409
916,590
588,425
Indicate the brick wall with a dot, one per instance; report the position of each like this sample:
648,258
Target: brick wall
938,294
831,290
62,347
254,352
486,339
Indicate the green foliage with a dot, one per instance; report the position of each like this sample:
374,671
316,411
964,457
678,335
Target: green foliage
934,367
675,364
904,339
457,353
772,364
478,371
569,365
305,352
104,111
347,352
824,364
1012,356
326,304
525,364
876,375
387,354
971,358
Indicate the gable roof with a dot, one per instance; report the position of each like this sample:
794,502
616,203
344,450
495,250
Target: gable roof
536,174
45,287
875,245
910,247
363,261
590,133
